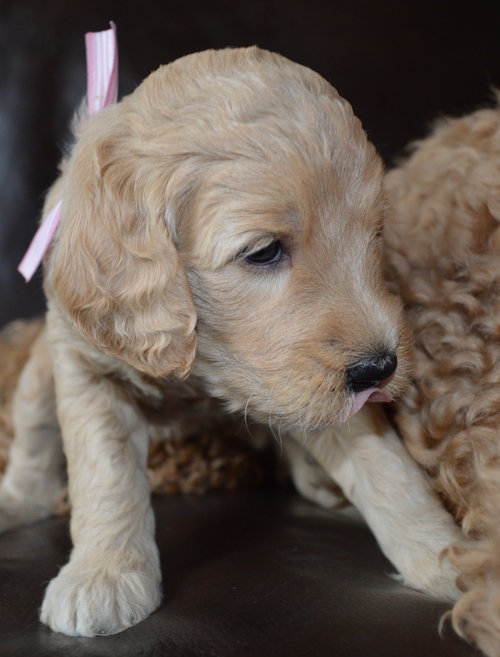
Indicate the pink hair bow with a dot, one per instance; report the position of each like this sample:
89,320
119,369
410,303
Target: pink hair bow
102,90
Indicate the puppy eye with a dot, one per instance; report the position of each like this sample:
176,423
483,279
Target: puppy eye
266,256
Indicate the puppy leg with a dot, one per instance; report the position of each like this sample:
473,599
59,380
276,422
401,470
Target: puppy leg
367,459
112,580
310,479
31,485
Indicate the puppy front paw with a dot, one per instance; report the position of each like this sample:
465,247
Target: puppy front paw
433,573
86,602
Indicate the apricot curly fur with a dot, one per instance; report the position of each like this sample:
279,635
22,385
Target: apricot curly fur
443,258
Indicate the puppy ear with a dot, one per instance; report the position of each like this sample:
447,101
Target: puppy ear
114,269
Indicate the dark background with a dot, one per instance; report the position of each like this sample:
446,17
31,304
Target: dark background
401,63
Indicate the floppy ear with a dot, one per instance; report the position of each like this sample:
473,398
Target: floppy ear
114,268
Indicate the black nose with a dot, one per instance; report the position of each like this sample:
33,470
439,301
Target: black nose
370,372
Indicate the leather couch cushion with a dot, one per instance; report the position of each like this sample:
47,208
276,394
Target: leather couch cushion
251,573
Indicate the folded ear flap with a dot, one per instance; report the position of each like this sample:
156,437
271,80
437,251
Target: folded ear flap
114,268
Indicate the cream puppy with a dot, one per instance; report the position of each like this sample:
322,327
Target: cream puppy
219,252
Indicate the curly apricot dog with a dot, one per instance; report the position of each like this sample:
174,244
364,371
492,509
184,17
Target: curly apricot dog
219,251
443,246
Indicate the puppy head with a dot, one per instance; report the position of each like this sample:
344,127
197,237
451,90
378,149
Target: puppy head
234,191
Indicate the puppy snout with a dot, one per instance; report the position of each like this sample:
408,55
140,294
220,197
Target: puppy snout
369,373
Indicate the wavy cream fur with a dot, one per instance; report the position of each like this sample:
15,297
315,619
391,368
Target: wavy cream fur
155,315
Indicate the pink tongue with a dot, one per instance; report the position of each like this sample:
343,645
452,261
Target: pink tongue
370,395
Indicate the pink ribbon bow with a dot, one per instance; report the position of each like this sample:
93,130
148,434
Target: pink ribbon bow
102,90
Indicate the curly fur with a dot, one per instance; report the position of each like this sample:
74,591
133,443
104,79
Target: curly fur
443,254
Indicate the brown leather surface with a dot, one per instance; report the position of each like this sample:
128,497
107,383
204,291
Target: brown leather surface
248,574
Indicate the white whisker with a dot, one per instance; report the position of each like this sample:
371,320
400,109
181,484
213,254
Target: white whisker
245,415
